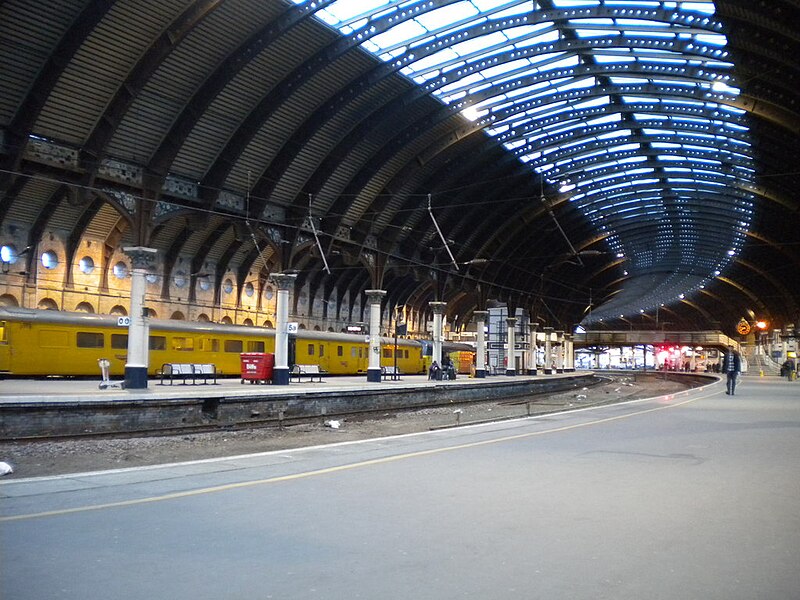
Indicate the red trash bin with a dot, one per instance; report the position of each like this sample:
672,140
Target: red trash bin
257,367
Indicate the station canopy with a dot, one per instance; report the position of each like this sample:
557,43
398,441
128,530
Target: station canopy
627,108
618,164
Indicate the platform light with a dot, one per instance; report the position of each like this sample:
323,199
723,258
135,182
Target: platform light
762,325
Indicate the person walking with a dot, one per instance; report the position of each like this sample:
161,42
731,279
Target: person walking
731,366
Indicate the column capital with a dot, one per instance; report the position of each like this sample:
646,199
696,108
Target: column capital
375,296
533,326
438,307
511,321
480,315
284,281
141,257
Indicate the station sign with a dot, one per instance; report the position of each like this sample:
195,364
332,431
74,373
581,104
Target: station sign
292,327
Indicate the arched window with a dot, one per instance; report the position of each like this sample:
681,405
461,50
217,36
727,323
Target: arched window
85,307
119,311
8,300
178,316
47,304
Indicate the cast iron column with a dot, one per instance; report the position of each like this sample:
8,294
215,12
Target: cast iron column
548,351
560,352
533,349
374,369
511,363
284,282
438,311
569,357
138,329
480,354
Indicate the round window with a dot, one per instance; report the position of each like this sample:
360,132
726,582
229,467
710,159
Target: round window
86,265
249,290
151,276
180,279
269,293
120,270
8,254
49,260
227,286
204,283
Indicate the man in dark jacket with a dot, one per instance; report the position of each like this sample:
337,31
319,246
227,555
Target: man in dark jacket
731,366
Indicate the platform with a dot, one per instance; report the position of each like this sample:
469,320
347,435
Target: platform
31,408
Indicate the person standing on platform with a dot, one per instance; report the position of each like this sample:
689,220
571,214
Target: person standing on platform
731,366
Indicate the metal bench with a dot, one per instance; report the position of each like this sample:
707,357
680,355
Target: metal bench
310,371
392,373
203,373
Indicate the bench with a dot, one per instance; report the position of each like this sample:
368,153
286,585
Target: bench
392,373
202,373
310,371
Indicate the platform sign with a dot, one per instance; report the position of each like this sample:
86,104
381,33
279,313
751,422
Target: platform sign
123,321
292,327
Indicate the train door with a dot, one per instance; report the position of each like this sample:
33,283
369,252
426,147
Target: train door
292,350
323,357
5,353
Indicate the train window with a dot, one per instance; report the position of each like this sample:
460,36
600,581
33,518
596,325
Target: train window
405,352
255,346
360,353
387,353
311,349
321,350
3,339
88,339
353,352
233,345
158,342
182,344
208,345
49,338
339,350
119,341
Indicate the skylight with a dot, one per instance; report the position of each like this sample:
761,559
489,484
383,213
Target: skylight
603,95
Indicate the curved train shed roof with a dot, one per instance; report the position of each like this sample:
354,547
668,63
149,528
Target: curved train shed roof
590,160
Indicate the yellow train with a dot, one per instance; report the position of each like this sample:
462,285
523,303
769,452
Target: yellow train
37,343
460,354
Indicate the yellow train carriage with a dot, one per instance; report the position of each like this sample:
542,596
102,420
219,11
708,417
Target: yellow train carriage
407,356
36,343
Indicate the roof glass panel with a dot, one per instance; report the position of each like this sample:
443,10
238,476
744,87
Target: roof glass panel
586,99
